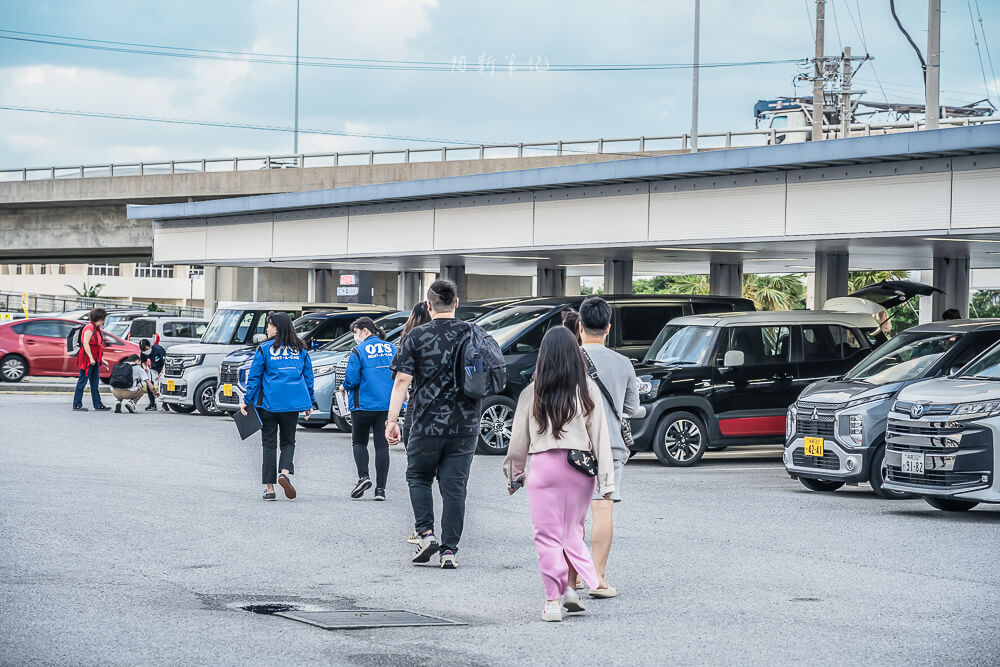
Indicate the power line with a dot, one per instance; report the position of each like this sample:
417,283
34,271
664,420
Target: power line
859,27
357,63
989,56
812,29
979,52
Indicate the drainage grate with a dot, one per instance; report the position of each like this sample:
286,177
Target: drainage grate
367,619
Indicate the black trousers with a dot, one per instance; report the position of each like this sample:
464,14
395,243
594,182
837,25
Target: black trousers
450,460
363,422
271,424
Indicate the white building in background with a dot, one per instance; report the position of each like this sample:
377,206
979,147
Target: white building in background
140,283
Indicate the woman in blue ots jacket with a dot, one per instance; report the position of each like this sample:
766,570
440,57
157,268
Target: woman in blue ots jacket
368,382
280,384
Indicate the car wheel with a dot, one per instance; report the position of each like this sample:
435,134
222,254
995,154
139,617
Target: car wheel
877,476
183,409
681,439
13,368
820,485
495,425
950,504
314,425
341,424
204,399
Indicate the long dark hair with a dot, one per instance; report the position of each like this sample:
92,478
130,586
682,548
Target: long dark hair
571,320
560,377
285,335
368,323
419,315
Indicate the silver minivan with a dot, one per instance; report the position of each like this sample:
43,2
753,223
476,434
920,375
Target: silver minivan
166,331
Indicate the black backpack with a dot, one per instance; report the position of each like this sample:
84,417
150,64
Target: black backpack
73,339
121,375
482,368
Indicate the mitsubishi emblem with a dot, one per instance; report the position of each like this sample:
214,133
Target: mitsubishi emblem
916,410
815,416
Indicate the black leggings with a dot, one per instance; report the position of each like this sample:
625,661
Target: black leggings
363,422
271,422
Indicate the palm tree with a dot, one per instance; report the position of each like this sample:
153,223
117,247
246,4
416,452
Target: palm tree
90,291
860,279
774,292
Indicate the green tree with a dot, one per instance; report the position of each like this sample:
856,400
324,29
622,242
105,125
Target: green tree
91,291
985,303
859,279
153,308
775,292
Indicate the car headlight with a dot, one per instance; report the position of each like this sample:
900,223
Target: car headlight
867,399
190,360
789,424
977,408
856,428
324,370
648,387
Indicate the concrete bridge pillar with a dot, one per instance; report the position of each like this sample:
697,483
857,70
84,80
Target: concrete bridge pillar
409,289
324,286
617,276
726,278
951,274
456,274
211,282
551,281
831,277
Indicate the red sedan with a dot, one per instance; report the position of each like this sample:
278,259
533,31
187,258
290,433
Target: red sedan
37,346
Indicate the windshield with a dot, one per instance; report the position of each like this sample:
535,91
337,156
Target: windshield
986,365
117,328
905,357
304,325
681,345
220,330
393,324
506,324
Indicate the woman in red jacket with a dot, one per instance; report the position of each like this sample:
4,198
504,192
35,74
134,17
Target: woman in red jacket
89,360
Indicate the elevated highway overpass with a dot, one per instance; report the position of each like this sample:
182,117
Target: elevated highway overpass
927,201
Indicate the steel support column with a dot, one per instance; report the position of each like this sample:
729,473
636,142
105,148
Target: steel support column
409,289
831,277
726,278
618,276
455,274
551,281
951,274
324,289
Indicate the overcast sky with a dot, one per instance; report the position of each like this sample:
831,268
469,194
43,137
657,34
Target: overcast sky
450,105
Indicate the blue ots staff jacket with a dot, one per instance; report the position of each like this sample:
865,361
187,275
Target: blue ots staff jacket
284,375
368,379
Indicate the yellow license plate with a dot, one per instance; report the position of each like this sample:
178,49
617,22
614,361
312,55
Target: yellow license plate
171,385
227,389
814,446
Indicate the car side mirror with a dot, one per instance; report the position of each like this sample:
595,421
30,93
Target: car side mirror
733,359
259,338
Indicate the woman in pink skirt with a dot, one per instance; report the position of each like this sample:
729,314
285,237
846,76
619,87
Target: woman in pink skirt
555,414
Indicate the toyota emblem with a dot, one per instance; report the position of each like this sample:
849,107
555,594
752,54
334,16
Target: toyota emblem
917,410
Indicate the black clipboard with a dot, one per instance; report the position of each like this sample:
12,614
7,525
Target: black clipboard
248,425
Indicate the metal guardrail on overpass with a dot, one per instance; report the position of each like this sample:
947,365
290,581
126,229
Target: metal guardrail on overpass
621,147
42,303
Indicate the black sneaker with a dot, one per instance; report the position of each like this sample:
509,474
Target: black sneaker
166,408
102,408
118,408
151,407
79,408
428,546
359,489
379,494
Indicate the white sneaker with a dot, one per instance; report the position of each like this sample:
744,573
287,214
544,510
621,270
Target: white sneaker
414,538
130,406
571,600
552,612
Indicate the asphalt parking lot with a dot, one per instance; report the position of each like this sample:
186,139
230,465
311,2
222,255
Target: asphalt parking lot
132,539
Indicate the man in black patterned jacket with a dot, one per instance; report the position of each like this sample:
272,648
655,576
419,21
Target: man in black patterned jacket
443,421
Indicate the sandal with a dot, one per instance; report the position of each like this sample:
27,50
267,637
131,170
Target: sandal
286,484
269,495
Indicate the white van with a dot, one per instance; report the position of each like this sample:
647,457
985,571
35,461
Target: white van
166,331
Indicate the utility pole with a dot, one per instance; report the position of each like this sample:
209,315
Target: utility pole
845,95
932,106
694,78
295,144
820,73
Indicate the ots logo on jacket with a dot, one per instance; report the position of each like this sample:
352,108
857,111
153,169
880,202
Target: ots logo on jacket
368,379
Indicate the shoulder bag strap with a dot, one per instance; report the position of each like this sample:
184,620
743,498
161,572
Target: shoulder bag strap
592,371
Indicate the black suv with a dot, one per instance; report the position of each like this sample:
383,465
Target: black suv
637,320
712,381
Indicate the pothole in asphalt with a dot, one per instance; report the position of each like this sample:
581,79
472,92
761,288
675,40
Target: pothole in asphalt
805,600
270,608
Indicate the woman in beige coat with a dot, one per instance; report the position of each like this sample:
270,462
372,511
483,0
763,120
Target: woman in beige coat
555,414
